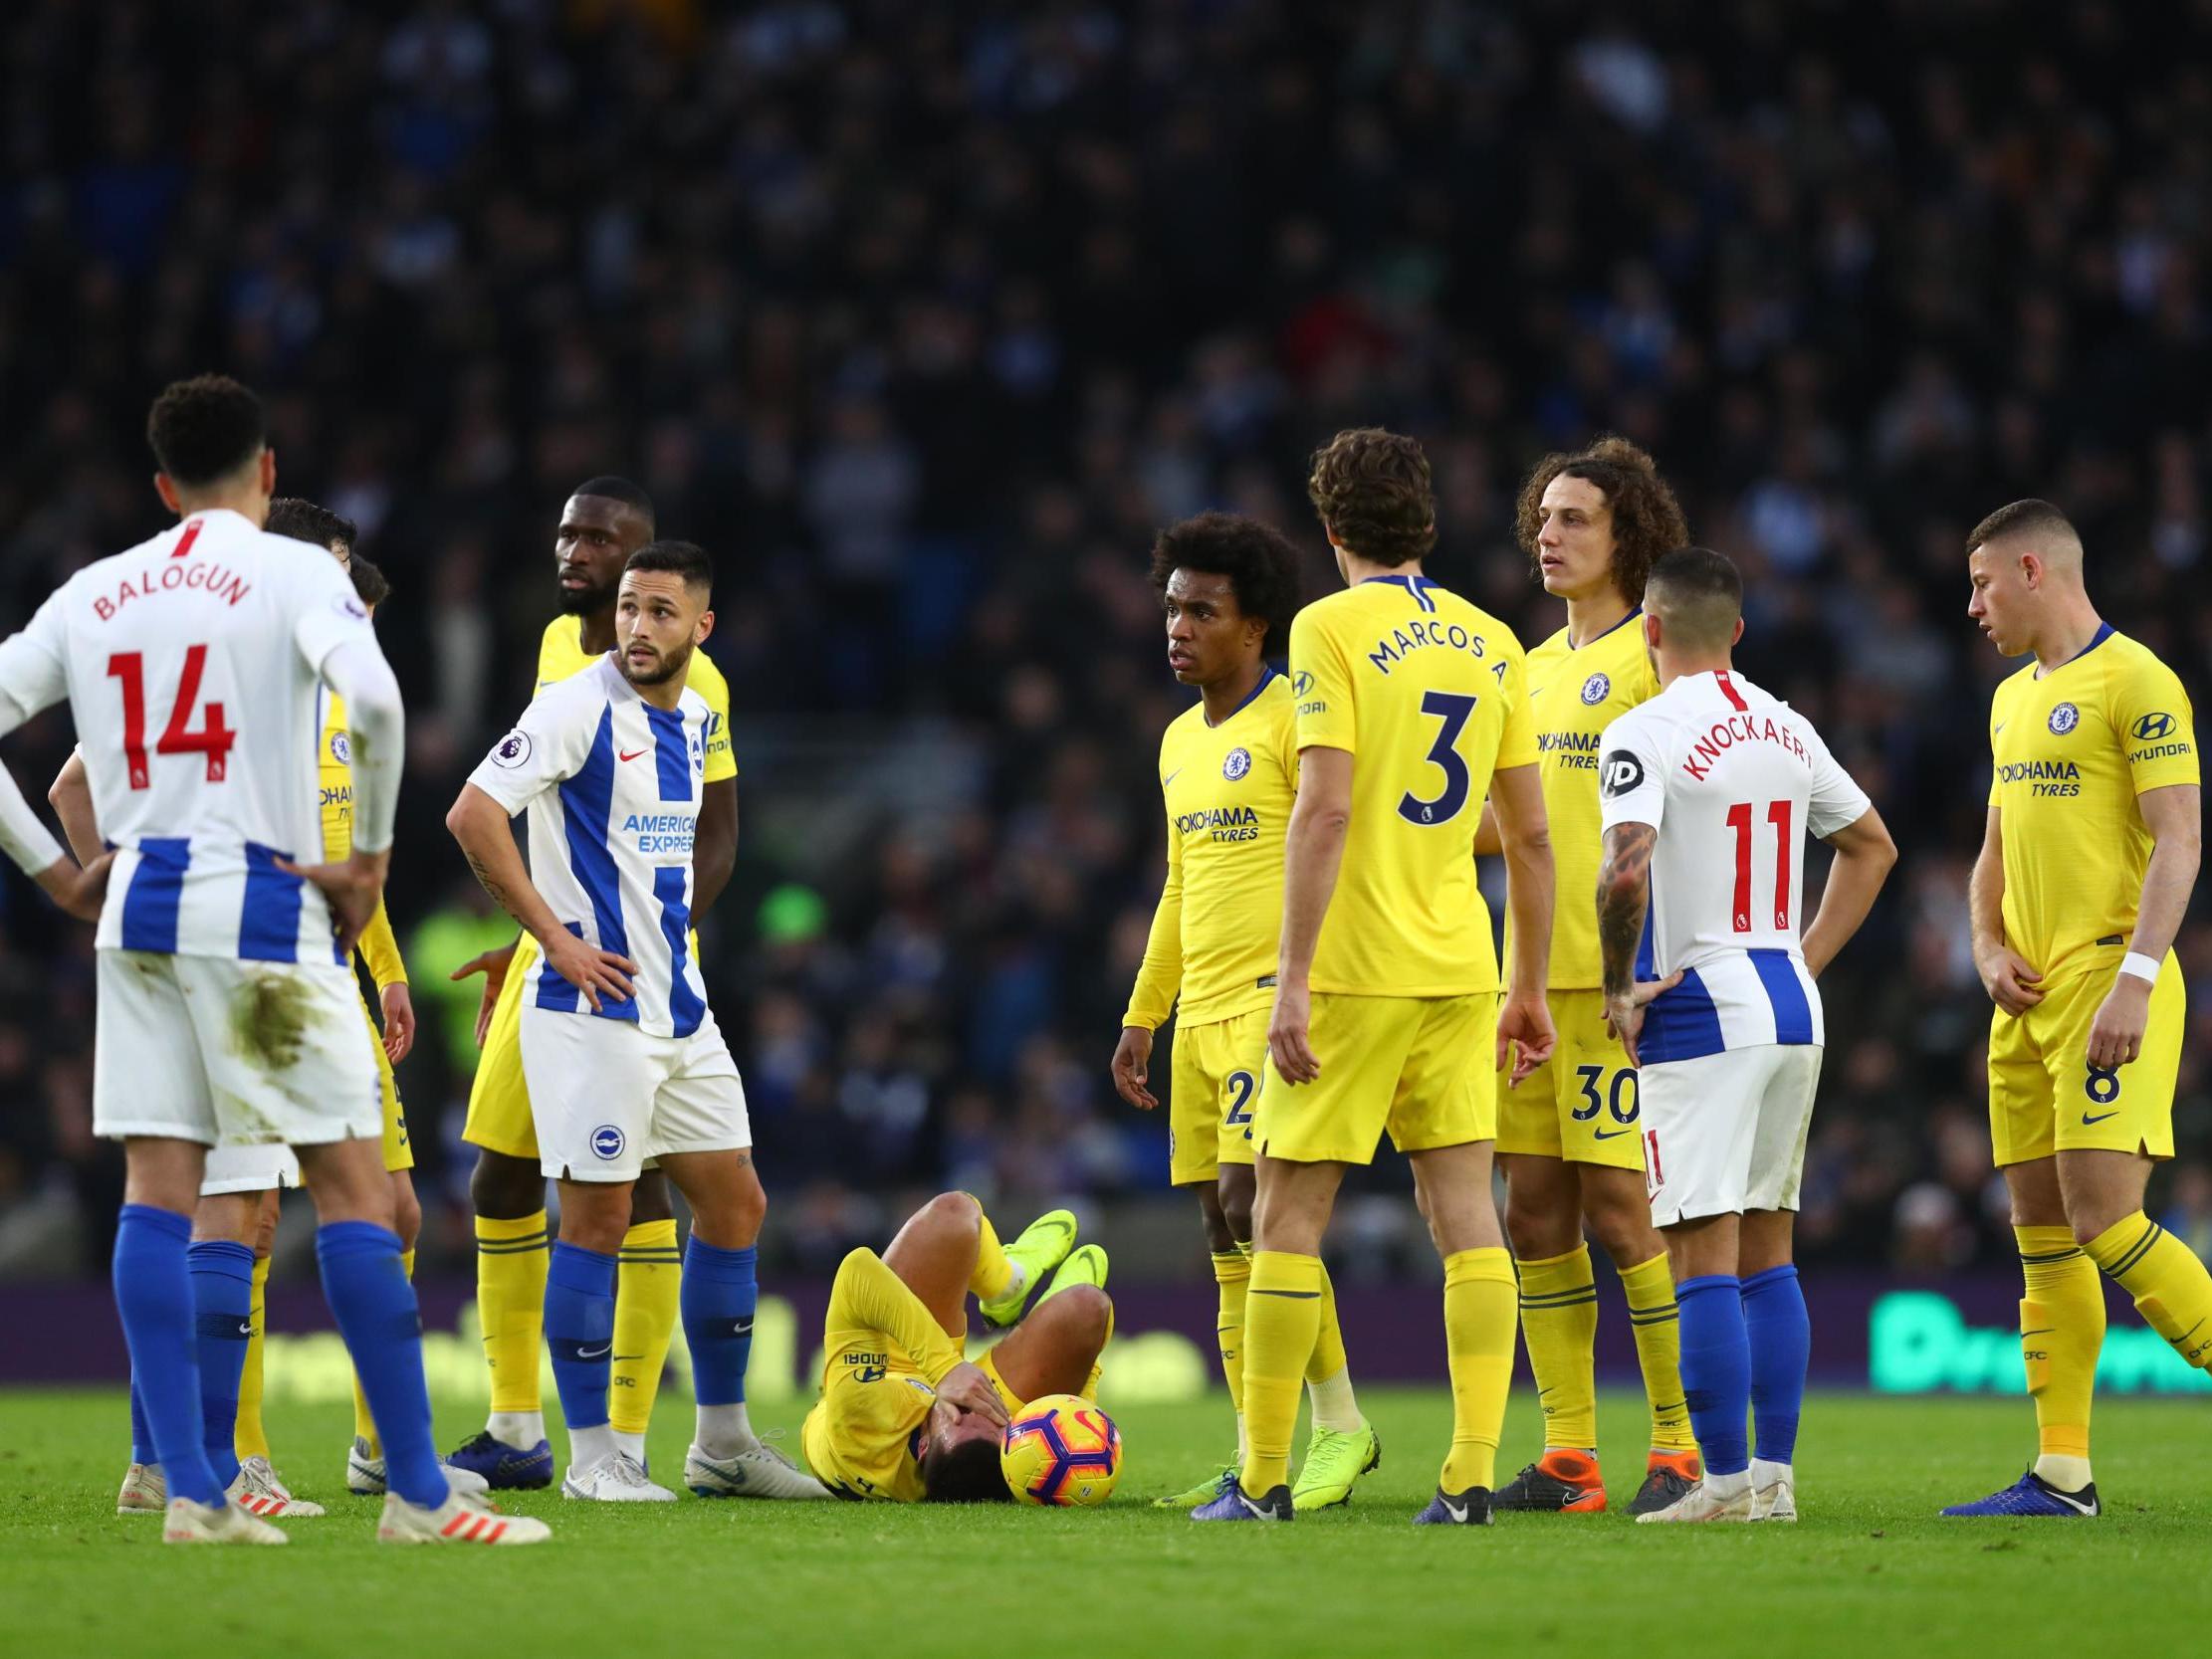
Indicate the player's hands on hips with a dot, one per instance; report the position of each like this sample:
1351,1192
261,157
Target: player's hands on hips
1133,1067
1624,1014
593,971
79,891
1287,1043
2116,1034
399,1020
1524,1028
493,965
353,888
966,1388
2009,981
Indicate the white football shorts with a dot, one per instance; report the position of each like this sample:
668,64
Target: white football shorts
608,1097
1725,1132
248,1169
218,1050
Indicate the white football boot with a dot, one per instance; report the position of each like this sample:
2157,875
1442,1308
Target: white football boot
760,1471
146,1491
190,1522
617,1478
258,1491
462,1519
1773,1491
1702,1502
368,1477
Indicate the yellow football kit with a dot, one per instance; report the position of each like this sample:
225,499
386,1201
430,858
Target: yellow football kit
378,948
499,1100
2072,748
1211,957
1581,1106
1430,695
883,1355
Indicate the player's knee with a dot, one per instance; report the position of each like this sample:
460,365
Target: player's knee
1236,1218
649,1200
1625,1235
1087,1312
502,1188
955,1211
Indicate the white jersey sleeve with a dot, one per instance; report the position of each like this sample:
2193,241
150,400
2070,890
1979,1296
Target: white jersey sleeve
33,678
1632,772
548,746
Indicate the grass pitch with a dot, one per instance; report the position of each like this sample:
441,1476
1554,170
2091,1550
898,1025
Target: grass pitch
1870,1570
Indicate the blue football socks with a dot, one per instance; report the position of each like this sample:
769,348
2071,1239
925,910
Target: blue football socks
580,1330
1716,1369
154,1296
223,1318
376,1311
719,1292
1781,1340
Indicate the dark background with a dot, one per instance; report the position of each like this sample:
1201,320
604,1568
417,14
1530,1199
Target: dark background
923,319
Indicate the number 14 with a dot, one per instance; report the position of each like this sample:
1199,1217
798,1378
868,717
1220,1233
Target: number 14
213,739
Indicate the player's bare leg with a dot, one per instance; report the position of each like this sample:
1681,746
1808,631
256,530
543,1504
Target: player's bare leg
726,1458
934,1254
1055,1349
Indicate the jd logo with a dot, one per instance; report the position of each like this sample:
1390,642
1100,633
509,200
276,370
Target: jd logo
1620,772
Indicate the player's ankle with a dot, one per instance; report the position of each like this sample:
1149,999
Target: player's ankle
2063,1470
517,1428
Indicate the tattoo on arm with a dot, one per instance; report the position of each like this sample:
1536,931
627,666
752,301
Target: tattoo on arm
491,884
1624,895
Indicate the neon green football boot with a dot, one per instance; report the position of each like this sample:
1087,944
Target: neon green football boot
1042,1246
1085,1265
1205,1492
1335,1460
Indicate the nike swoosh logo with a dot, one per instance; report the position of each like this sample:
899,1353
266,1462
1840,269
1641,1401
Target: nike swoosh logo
594,1353
1606,1134
246,1328
2086,1120
1998,729
634,754
1171,777
742,1328
1457,1512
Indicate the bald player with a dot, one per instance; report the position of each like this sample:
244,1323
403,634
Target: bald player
2085,873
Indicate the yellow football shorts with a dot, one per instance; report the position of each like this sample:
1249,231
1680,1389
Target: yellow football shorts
1582,1105
499,1100
399,1155
1420,1067
2045,1097
1213,1094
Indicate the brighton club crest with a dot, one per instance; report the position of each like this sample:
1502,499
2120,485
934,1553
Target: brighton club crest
1595,689
2064,719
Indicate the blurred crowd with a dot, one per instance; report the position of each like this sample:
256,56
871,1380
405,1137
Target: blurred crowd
924,317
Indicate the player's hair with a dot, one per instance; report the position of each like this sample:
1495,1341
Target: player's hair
678,558
205,428
2034,517
1698,593
610,488
306,520
370,584
1647,520
1260,564
968,1473
1373,492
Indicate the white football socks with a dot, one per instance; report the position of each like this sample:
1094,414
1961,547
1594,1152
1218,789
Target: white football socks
2068,1474
634,1444
725,1430
1333,1403
517,1428
589,1447
1727,1485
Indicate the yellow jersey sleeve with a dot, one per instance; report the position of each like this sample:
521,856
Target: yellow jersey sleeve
1573,693
379,949
883,1355
2072,748
561,655
1160,975
1430,695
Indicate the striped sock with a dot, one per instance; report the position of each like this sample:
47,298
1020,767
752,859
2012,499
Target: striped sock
510,1264
1559,1325
648,1289
2173,1291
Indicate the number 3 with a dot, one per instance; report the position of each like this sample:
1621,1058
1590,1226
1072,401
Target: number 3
1454,711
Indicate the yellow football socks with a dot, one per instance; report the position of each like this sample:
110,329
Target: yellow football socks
2173,1291
1559,1323
649,1288
1283,1321
1328,1373
1658,1352
1232,1271
364,1426
994,1275
511,1262
250,1439
2062,1328
1478,1320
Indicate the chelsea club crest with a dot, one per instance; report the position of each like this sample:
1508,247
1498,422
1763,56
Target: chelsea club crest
1236,764
2064,719
1595,689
